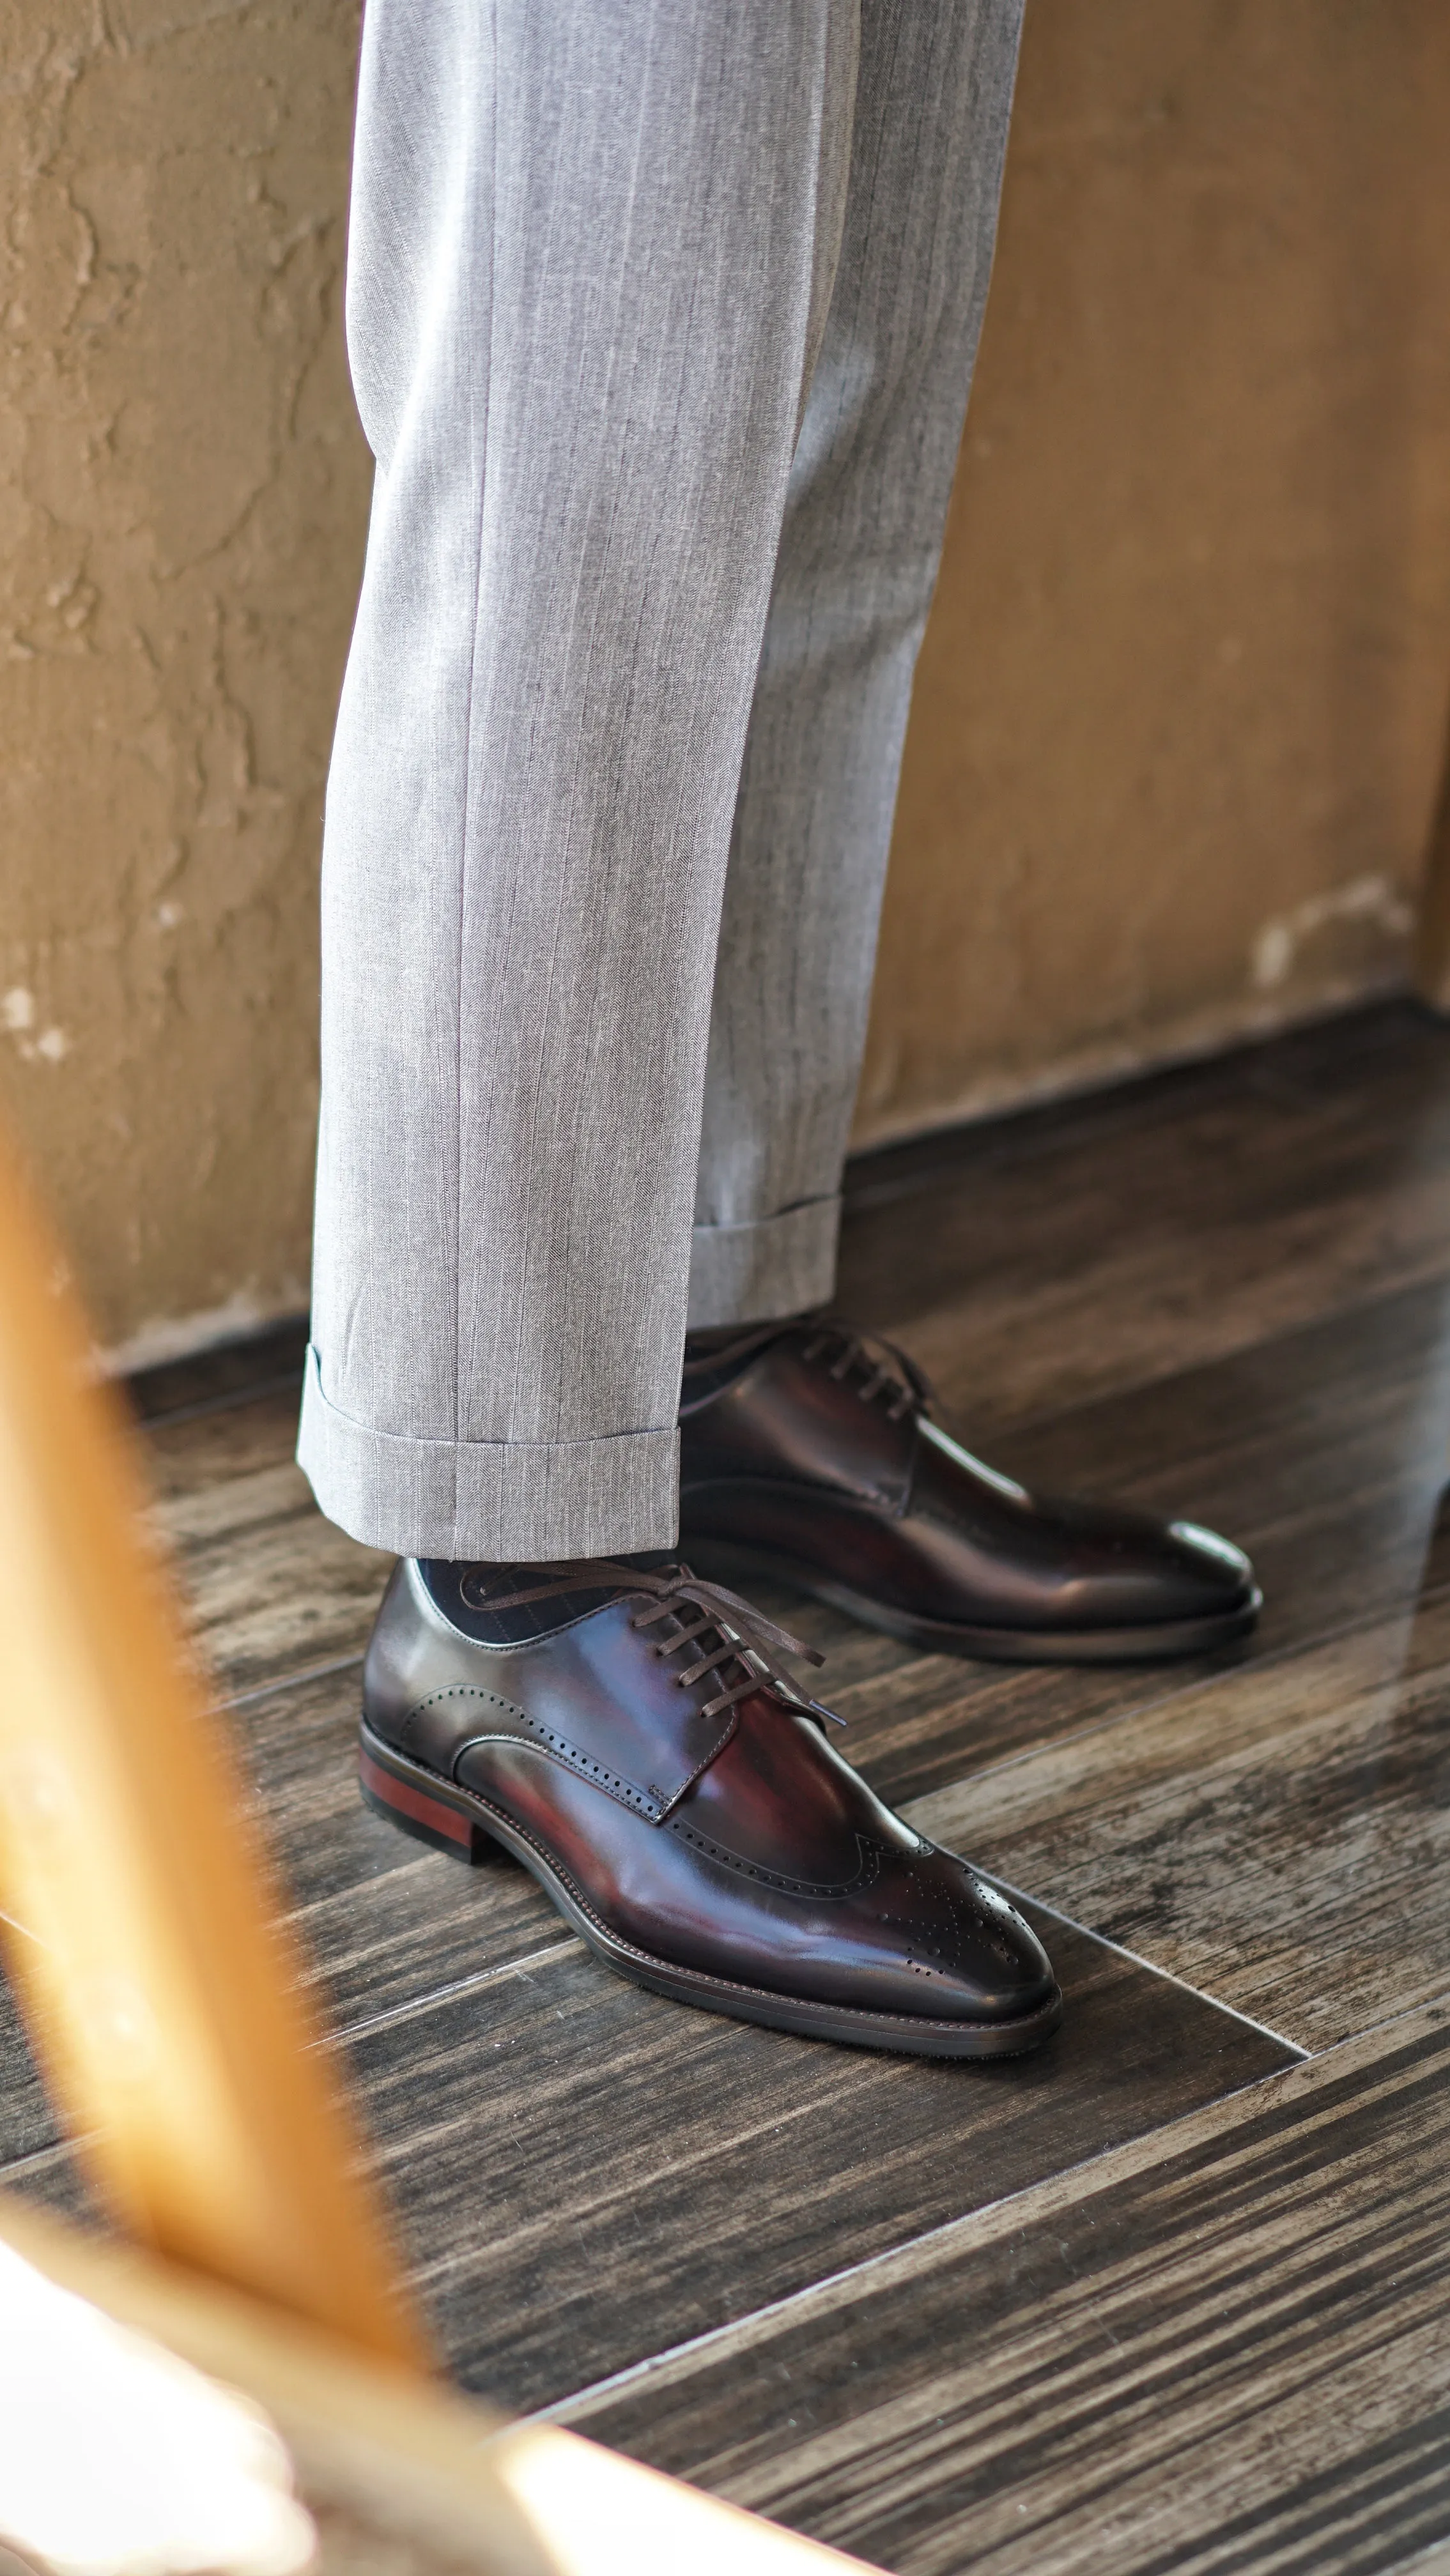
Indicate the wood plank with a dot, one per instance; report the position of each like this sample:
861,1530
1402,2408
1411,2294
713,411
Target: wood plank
284,1595
1320,1154
1222,1293
273,1588
1035,1262
27,2123
1219,2349
213,1379
382,1920
386,1923
195,1452
588,2174
585,2174
1340,1478
1279,1836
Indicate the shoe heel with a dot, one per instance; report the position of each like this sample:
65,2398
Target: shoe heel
414,1811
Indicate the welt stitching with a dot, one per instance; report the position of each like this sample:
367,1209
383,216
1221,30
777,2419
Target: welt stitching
457,1690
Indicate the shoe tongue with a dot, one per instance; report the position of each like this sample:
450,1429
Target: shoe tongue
713,1358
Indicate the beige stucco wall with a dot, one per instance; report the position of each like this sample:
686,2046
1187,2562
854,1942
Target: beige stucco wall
1181,708
182,498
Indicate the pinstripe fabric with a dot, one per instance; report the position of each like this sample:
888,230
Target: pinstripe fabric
603,253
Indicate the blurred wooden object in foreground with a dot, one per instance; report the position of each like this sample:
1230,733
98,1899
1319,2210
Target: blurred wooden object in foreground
382,2458
1432,927
166,2013
163,2004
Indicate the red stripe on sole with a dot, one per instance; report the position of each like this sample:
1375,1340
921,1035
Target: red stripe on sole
414,1802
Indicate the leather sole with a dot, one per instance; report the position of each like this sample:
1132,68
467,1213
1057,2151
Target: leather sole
725,1561
458,1821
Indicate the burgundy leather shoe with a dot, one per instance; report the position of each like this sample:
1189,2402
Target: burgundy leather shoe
674,1794
808,1453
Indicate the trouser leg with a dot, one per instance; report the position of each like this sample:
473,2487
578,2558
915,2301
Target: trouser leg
860,546
590,245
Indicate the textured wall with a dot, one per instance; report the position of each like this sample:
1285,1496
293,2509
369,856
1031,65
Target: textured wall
1181,706
1181,709
182,493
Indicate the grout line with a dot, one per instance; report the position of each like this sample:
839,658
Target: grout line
289,1681
62,2149
446,1994
1438,2002
635,2371
1020,1896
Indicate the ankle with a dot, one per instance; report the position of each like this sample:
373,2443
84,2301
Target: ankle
468,1589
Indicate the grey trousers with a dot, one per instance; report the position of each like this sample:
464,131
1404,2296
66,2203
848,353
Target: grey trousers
662,316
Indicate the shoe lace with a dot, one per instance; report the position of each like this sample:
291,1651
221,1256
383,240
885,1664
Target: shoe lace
910,1387
738,1644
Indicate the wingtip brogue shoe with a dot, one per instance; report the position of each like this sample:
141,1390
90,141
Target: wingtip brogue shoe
648,1760
809,1454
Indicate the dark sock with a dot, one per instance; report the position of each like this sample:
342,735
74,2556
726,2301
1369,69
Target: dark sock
464,1590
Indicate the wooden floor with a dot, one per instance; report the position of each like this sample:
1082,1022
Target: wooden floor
1172,2295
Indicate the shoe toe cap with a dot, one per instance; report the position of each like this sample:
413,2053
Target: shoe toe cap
1204,1575
1212,1563
1124,1568
968,1954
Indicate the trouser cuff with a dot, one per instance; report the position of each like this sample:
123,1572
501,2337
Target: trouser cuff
508,1502
779,1265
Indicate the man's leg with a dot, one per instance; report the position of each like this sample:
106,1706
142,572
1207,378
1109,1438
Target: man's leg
593,246
862,536
590,249
808,1452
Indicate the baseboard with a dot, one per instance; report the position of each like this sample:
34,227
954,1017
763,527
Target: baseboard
243,1318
